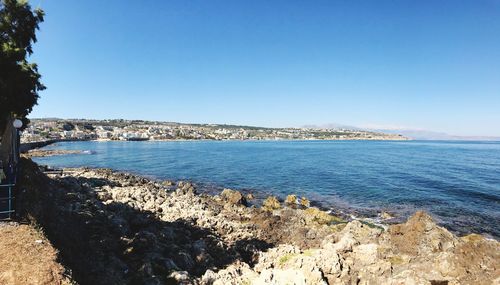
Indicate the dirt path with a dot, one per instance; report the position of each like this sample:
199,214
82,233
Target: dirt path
27,257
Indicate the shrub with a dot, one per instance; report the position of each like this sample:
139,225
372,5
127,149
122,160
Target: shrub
322,217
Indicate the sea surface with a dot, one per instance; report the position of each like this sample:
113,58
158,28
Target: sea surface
457,182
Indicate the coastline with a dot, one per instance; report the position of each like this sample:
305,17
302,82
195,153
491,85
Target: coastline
382,217
27,146
375,214
39,144
271,243
141,130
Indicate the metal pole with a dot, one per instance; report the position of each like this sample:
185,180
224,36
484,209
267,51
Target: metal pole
10,202
18,153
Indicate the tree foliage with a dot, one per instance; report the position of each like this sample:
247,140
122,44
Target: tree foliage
19,79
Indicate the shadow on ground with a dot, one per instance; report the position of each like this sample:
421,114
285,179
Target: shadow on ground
115,243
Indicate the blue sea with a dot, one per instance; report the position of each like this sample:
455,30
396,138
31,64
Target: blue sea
457,182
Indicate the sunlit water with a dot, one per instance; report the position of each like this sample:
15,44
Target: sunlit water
457,182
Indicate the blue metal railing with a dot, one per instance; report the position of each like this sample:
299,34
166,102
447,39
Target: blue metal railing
6,201
7,189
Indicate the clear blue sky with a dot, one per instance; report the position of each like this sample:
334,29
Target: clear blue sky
417,64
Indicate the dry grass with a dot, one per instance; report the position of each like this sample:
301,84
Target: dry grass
27,257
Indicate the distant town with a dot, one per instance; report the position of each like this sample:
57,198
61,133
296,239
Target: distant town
136,130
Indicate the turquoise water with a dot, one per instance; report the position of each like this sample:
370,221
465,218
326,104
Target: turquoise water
457,182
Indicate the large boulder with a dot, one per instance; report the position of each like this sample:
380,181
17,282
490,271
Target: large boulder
419,235
291,200
234,197
271,203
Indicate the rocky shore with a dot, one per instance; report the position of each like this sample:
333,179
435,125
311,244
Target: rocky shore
118,228
51,152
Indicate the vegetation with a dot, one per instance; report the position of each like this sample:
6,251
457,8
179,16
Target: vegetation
322,217
285,258
309,252
19,79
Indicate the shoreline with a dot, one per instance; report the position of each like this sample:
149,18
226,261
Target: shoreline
211,189
382,216
258,197
204,239
26,146
125,228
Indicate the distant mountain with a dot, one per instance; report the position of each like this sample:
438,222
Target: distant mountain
332,126
409,133
419,134
431,135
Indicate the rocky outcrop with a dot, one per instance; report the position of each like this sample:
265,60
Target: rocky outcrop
291,200
51,152
419,236
25,147
362,254
305,202
233,197
271,203
134,230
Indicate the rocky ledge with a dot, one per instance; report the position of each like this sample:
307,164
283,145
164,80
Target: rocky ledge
51,152
115,228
